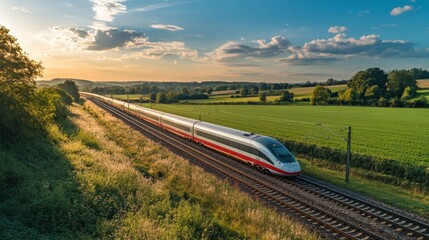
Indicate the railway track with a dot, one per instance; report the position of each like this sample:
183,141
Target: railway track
402,224
328,224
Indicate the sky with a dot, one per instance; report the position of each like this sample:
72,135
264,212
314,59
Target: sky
226,40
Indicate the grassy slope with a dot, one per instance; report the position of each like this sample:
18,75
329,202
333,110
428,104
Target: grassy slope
395,133
88,181
408,199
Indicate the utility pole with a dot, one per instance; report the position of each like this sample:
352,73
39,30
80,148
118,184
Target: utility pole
349,141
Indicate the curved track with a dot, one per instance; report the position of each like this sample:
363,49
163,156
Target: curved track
327,223
410,227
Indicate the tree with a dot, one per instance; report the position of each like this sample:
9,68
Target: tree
152,97
70,87
161,97
373,92
244,91
320,95
263,96
15,66
171,97
408,93
263,86
185,91
329,82
382,102
362,80
286,97
348,95
399,80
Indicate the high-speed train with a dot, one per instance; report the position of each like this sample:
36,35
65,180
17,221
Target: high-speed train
264,153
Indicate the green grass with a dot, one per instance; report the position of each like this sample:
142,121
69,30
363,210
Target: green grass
394,133
93,177
396,196
410,199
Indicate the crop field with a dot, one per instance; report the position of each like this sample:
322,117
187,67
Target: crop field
423,83
305,92
299,93
394,133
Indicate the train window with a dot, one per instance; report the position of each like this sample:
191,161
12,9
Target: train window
176,125
282,154
228,142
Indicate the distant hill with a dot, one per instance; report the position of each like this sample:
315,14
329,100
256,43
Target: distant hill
55,81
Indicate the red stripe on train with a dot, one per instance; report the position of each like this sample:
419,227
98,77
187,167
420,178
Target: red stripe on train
245,158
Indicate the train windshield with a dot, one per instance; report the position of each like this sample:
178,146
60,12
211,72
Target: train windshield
276,148
281,153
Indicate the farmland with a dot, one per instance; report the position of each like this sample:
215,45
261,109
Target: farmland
424,83
304,92
394,133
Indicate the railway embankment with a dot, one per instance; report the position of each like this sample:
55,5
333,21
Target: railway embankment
95,177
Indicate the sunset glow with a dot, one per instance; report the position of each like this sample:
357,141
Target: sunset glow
232,40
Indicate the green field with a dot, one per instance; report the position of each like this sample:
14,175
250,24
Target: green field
299,93
394,133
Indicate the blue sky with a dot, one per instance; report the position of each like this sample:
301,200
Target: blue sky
233,40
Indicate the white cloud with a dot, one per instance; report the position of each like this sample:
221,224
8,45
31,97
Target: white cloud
337,29
400,10
158,6
167,27
158,50
340,47
363,13
233,50
23,10
95,40
105,10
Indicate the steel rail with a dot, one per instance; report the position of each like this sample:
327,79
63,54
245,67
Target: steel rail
411,227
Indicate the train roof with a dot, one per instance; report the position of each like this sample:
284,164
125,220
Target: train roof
226,131
179,118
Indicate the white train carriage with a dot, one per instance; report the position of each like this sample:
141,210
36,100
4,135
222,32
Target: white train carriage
179,125
260,151
149,115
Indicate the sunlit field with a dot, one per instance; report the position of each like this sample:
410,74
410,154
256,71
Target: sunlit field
394,133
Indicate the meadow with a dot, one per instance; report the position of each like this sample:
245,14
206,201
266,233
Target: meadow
392,133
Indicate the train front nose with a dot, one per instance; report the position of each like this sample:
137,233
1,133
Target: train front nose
292,168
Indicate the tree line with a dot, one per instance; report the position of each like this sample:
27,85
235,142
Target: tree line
375,87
